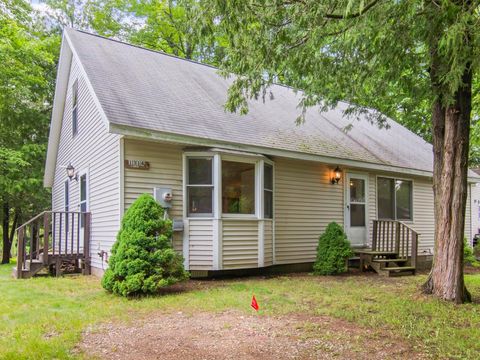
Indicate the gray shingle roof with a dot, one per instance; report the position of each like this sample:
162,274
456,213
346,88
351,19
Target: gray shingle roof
150,90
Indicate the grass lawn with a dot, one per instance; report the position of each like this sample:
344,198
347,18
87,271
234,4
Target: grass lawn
45,317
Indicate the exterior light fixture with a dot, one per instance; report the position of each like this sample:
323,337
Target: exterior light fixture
71,172
337,176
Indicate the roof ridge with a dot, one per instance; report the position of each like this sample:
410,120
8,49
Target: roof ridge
171,55
143,48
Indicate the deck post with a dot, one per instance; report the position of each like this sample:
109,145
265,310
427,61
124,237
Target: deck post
397,238
414,249
86,243
46,236
374,235
20,252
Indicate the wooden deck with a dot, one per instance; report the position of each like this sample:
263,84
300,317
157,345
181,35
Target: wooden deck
57,241
394,249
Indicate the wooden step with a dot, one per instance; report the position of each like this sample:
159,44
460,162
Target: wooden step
32,267
390,260
399,270
376,253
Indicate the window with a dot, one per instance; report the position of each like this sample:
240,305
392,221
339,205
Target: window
394,199
83,196
238,187
268,191
74,108
200,186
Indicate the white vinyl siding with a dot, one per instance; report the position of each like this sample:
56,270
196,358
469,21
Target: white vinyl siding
468,216
239,244
165,171
268,242
200,244
305,203
475,205
94,150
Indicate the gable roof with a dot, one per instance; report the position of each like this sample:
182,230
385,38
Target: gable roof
144,92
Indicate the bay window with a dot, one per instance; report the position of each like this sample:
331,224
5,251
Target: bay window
268,191
228,184
238,187
394,199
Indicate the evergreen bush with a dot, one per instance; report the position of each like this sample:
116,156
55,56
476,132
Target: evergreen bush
143,259
333,251
469,255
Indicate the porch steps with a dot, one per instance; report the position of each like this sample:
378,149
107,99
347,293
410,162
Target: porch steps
393,251
54,241
32,267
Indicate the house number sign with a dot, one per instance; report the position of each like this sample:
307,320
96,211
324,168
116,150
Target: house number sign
137,164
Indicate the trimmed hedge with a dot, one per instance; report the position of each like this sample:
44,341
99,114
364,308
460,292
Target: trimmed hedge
333,251
143,259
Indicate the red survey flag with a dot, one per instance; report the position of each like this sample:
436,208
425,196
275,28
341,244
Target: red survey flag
254,303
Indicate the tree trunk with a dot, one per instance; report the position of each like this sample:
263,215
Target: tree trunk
451,128
7,245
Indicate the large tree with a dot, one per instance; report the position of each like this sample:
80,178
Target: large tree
26,87
387,54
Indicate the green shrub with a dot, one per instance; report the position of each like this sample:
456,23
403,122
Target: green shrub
333,251
143,259
468,255
476,250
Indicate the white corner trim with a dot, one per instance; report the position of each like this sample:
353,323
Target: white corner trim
186,245
122,179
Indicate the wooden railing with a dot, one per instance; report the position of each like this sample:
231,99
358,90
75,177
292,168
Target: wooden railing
54,235
395,236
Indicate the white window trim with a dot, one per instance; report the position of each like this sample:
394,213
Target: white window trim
262,213
197,155
407,221
85,172
366,178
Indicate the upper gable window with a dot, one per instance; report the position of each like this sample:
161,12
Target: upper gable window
75,108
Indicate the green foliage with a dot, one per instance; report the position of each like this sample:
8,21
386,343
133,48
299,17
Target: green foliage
333,251
468,254
476,250
27,73
376,56
441,329
143,259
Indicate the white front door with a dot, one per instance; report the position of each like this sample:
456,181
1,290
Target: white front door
356,208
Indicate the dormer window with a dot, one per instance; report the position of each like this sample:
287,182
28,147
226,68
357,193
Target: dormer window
74,108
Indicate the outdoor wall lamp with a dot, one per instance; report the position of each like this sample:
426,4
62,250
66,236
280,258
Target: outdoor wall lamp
71,172
337,176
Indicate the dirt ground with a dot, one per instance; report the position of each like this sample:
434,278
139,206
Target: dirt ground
232,335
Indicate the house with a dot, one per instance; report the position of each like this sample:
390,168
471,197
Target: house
245,192
475,206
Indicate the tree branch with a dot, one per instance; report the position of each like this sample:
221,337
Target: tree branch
354,15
